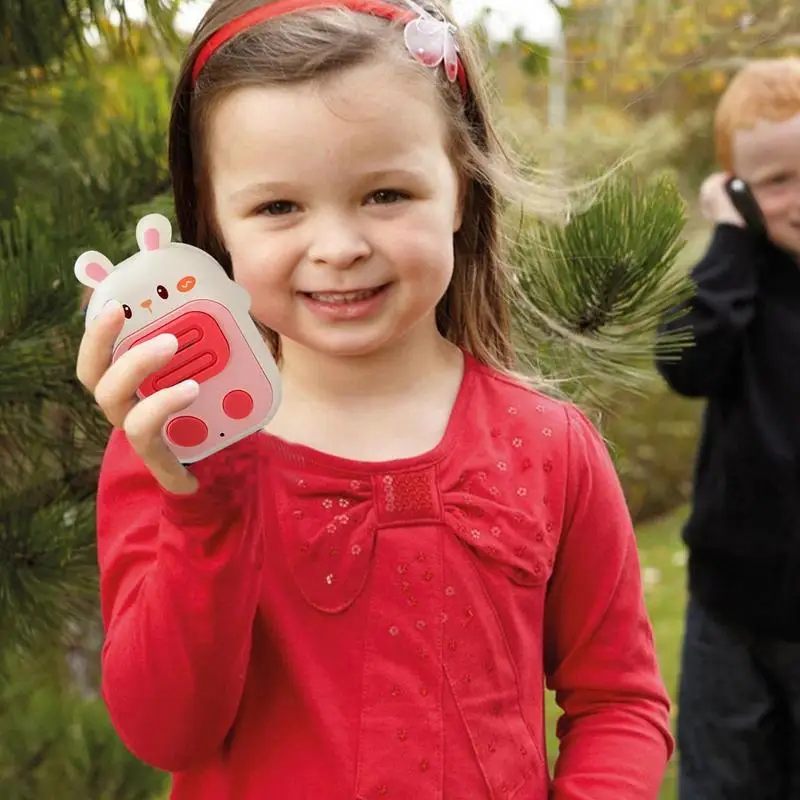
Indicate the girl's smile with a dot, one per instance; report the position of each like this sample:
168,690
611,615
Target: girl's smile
346,305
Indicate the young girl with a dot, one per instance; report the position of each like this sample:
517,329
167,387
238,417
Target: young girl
366,599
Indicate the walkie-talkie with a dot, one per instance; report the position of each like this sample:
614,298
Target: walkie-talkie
174,288
745,203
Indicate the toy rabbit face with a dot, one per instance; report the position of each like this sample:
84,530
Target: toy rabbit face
163,276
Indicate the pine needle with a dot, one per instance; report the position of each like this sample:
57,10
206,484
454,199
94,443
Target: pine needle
592,292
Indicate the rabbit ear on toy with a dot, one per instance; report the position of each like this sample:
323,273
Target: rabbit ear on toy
153,232
92,268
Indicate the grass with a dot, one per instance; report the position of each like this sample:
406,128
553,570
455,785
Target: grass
663,567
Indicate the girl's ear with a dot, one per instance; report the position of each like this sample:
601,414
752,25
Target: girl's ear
153,232
92,268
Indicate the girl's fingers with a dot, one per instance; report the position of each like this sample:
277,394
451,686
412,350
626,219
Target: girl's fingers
115,392
143,426
94,354
114,386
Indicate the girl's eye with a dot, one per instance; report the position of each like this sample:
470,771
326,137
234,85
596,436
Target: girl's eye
277,209
387,196
128,312
162,292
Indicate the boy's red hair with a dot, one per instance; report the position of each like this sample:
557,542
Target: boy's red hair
766,90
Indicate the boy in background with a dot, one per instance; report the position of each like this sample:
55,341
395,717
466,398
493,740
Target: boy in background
739,699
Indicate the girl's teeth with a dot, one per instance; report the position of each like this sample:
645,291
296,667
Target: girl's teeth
342,297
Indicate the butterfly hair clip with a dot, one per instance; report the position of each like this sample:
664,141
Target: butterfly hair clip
432,41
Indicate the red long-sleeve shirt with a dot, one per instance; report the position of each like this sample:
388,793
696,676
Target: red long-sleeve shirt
307,626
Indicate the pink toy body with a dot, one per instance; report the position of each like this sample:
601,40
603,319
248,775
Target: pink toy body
178,289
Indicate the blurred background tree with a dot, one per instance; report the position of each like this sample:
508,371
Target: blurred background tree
83,108
656,57
84,101
642,79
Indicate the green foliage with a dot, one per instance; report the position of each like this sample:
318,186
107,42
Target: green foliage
51,435
45,563
697,157
81,156
535,57
653,439
654,435
595,288
598,137
58,744
77,168
634,51
48,34
35,32
48,563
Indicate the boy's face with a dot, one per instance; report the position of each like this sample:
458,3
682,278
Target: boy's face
768,159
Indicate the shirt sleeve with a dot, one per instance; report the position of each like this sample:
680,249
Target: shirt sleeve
600,657
716,315
179,583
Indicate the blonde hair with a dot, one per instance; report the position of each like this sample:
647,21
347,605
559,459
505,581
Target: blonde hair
767,90
476,311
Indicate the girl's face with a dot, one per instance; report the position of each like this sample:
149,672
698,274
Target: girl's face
768,158
338,203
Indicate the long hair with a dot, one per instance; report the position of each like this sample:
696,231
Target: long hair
304,46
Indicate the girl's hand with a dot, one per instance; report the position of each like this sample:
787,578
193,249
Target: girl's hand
114,388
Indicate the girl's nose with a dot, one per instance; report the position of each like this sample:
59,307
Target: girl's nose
339,244
148,305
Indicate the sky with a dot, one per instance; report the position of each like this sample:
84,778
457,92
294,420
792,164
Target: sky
535,17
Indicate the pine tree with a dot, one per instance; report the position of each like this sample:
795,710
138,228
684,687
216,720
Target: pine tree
69,184
592,291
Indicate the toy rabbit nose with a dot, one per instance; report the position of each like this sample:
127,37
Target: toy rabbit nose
147,304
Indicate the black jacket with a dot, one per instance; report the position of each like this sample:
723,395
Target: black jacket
744,530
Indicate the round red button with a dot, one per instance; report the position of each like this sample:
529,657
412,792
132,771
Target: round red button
187,431
237,404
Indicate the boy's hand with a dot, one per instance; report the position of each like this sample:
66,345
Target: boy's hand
114,388
715,204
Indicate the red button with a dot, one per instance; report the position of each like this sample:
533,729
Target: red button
203,351
237,404
187,431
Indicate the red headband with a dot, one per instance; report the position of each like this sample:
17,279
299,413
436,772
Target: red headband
280,7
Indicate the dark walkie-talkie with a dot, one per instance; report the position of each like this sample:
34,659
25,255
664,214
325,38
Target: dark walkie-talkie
745,203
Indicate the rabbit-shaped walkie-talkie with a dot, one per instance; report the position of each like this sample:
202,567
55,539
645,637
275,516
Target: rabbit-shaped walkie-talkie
174,288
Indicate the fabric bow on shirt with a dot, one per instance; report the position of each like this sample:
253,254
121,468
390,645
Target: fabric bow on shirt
421,540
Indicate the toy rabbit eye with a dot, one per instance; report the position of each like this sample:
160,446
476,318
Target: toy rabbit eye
162,292
128,312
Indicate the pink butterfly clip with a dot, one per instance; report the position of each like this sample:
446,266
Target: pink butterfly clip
432,41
